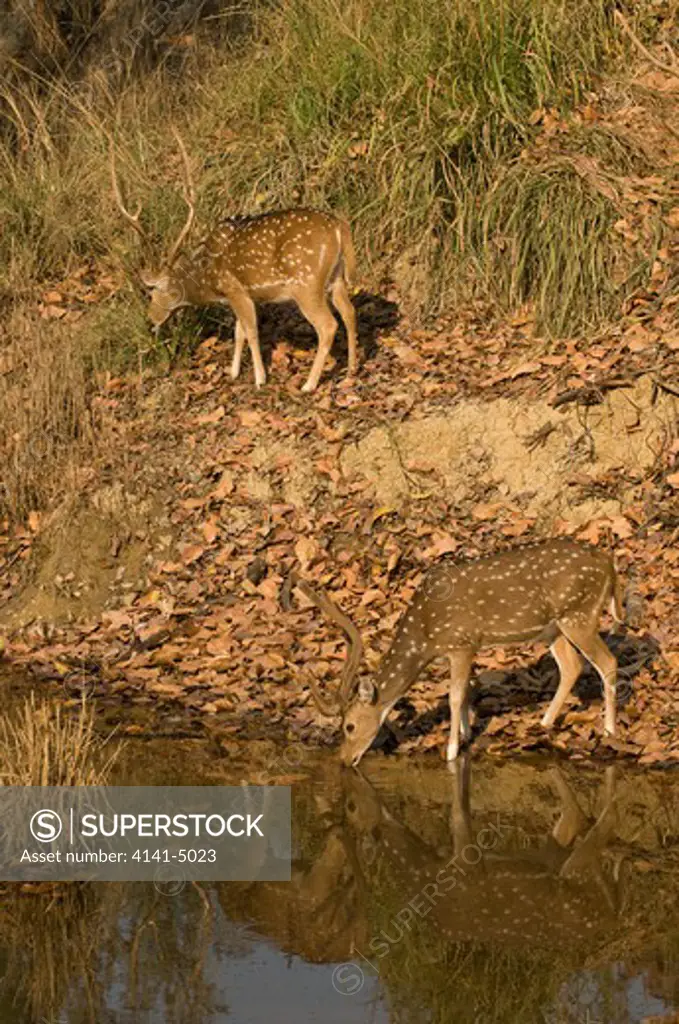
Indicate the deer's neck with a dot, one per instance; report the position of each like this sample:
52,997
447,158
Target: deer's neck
194,278
402,663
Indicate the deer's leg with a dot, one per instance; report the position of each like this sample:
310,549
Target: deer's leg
460,812
570,666
460,667
465,727
341,300
238,350
590,847
317,311
246,315
589,643
571,821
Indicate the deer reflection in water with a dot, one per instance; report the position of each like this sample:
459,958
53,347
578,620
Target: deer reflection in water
479,888
546,895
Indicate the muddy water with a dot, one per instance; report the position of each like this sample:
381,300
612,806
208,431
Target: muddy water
506,892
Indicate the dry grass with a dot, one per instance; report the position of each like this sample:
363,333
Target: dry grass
43,745
46,428
54,937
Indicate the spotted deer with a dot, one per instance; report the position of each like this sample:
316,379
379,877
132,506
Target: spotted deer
554,591
297,255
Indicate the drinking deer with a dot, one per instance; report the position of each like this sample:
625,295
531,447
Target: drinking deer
555,590
297,255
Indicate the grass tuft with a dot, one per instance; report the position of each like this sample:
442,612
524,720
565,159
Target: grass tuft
41,745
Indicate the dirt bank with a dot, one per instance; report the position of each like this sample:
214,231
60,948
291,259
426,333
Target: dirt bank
548,462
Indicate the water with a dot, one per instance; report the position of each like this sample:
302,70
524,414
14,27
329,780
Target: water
506,892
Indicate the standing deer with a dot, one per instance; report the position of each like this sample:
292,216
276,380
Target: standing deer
554,591
294,255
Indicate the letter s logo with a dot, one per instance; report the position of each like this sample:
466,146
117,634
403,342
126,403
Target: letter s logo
46,826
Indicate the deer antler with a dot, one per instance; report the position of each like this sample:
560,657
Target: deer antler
132,218
189,196
354,656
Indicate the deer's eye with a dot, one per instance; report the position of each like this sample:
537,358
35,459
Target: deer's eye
350,727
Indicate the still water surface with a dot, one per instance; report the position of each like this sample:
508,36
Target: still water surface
507,892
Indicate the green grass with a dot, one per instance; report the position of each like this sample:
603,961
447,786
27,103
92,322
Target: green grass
418,121
403,115
545,238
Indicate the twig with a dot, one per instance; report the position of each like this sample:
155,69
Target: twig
663,386
13,558
538,437
207,906
667,68
411,480
591,394
586,431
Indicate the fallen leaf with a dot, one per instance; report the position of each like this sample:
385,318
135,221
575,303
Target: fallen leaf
249,417
442,546
407,354
225,486
212,417
496,724
210,529
191,553
592,532
53,312
167,689
385,510
306,550
621,526
486,511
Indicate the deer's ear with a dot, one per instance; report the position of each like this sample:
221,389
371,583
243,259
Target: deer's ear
367,692
153,280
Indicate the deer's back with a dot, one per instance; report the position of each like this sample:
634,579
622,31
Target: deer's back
513,596
271,253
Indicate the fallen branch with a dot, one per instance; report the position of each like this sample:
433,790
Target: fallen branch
591,394
671,389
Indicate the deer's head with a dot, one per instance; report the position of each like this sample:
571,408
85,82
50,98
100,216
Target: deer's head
166,284
357,702
362,719
168,293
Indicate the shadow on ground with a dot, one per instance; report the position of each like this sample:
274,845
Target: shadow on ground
284,322
530,687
